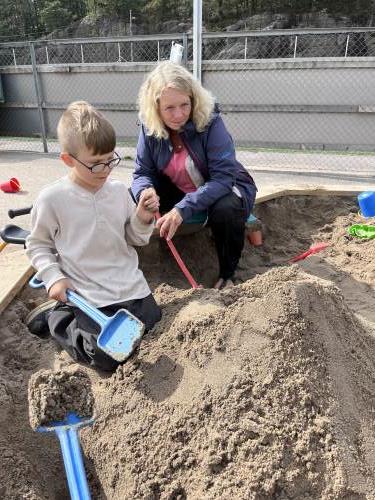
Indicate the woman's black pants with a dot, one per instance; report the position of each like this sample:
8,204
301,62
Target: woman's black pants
226,218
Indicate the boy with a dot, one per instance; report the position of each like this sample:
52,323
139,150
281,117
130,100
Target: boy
84,227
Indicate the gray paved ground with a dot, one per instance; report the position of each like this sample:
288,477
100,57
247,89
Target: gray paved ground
293,161
35,170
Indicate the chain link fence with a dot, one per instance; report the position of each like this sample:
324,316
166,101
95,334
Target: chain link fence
290,45
216,46
90,51
291,99
297,100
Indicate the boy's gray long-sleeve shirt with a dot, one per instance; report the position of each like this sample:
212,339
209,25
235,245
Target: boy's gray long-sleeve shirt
88,238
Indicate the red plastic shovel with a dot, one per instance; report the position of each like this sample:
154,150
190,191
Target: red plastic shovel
179,261
313,249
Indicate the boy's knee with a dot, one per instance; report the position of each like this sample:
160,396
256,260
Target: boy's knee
155,320
147,310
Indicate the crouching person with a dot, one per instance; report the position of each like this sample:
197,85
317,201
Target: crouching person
84,227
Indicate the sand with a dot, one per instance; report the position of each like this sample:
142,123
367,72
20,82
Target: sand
262,391
53,395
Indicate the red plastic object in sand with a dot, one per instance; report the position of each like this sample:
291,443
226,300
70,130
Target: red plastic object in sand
179,261
255,238
313,249
11,186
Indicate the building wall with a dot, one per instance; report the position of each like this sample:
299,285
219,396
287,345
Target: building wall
317,103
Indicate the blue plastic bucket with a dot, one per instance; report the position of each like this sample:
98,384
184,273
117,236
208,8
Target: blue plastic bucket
366,202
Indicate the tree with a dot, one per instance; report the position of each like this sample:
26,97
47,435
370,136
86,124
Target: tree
25,19
159,11
54,16
119,8
18,19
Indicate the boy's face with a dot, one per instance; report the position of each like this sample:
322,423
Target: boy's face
81,174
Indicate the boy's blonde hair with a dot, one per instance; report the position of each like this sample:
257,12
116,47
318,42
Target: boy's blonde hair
170,75
82,125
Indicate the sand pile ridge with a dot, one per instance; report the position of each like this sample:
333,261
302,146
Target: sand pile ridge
263,391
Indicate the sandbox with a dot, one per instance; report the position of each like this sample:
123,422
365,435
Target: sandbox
265,390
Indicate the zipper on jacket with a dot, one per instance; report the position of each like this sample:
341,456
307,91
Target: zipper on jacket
201,167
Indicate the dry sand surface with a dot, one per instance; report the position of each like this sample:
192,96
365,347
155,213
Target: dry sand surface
55,394
262,391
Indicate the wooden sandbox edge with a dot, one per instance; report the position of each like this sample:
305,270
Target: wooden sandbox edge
265,194
15,270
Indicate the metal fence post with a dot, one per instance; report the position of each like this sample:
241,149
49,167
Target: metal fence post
197,39
185,45
295,46
14,57
38,95
347,45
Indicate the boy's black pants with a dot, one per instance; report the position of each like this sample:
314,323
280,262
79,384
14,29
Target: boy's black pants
226,217
76,333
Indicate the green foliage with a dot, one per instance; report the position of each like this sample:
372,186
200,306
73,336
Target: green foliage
158,11
18,18
119,8
26,19
54,16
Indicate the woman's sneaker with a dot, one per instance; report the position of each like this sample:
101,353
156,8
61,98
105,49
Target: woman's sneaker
37,319
221,284
227,284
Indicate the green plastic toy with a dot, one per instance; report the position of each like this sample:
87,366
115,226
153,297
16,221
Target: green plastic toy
362,231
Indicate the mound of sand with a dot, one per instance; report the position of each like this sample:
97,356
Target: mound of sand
262,391
52,395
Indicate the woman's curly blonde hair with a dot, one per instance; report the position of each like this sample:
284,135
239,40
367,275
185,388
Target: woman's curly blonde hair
170,75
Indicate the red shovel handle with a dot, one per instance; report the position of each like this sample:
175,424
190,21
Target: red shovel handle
313,249
179,261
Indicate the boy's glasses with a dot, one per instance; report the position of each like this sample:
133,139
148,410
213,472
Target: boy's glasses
100,167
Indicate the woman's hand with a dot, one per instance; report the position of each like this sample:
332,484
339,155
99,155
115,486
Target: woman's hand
169,223
147,206
58,290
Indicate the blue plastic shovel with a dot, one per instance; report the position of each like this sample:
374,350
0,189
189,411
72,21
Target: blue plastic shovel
119,335
67,432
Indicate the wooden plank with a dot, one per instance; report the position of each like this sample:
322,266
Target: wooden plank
274,192
15,270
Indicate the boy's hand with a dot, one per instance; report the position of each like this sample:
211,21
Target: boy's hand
169,223
147,206
58,290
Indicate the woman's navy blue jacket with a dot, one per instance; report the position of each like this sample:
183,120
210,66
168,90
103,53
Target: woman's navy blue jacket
212,152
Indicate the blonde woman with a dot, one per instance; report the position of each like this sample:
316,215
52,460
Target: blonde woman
186,156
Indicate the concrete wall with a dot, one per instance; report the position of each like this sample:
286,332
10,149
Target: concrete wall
322,104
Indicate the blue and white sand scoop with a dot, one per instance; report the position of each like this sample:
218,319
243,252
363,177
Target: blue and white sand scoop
119,335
